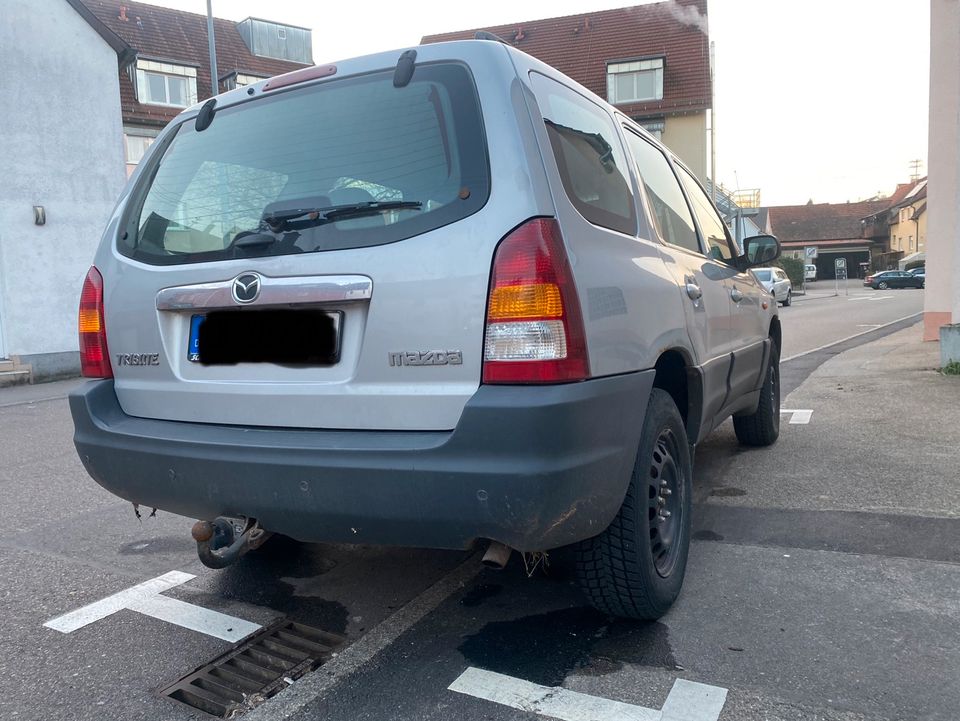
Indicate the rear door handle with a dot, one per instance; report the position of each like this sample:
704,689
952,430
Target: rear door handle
735,295
693,290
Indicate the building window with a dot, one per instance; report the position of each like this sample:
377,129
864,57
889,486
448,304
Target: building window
635,81
654,127
242,81
166,84
135,144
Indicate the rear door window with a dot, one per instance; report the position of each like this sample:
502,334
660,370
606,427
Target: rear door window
589,155
390,162
670,211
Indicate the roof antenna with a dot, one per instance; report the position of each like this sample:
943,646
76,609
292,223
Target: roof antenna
484,35
405,68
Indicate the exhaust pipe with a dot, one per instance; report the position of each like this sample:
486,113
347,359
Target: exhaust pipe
496,556
218,544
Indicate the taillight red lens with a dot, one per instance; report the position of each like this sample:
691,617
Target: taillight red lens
534,330
94,356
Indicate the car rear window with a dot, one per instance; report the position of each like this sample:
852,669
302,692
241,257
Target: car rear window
261,178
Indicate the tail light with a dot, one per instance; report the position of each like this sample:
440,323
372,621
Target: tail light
94,356
534,328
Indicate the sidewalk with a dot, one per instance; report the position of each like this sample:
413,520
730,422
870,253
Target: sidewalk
884,436
38,392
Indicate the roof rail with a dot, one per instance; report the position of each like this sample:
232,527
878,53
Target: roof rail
484,35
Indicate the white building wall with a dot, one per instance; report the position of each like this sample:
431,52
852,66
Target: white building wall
942,294
61,147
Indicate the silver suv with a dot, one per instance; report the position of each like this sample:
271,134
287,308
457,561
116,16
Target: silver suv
428,299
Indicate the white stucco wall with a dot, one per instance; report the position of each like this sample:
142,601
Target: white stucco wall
942,295
61,147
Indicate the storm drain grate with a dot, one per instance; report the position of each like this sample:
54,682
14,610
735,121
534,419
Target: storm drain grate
258,668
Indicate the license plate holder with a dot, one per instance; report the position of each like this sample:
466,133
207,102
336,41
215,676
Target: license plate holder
287,337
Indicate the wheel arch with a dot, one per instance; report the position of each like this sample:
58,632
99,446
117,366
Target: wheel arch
775,333
676,374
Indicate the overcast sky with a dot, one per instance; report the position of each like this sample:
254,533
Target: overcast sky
815,99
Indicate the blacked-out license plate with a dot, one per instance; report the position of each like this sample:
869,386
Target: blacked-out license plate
283,337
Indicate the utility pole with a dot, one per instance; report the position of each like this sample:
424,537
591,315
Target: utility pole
214,78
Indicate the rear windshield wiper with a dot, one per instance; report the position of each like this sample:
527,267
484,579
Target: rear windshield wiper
307,217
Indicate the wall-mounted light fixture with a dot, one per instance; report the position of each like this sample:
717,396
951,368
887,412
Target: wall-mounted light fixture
39,215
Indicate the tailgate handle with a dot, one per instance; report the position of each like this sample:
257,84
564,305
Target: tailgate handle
298,290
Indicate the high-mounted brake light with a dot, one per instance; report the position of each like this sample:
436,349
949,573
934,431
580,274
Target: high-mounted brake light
534,328
299,76
94,356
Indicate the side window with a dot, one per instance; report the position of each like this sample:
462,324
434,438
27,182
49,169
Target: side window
589,156
714,231
670,210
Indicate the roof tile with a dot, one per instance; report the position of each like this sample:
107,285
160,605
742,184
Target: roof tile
165,34
581,46
821,221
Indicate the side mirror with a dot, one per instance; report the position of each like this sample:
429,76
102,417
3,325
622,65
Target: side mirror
759,250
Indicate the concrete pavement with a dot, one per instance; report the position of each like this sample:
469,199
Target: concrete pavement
823,579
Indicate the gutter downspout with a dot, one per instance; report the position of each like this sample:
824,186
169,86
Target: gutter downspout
213,51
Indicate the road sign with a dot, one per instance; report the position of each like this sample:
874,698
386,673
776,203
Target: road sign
810,252
840,263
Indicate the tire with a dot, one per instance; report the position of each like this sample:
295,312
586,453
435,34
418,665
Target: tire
883,285
635,568
789,299
762,428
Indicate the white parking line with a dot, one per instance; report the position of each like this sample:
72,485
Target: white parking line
870,297
145,598
798,417
687,701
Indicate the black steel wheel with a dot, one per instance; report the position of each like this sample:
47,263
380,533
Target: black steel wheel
762,428
635,568
665,512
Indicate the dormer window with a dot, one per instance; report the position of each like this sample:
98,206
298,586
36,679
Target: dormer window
635,81
161,83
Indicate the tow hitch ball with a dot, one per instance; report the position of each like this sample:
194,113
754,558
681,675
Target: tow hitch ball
222,541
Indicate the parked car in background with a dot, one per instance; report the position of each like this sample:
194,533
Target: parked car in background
809,272
777,283
893,279
920,272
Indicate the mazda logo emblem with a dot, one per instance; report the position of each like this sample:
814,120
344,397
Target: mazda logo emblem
246,288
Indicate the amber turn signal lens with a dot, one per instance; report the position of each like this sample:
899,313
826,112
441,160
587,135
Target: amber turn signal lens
539,300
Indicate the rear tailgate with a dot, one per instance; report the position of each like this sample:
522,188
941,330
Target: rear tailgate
405,288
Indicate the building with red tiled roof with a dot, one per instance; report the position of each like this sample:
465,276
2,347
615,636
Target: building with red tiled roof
165,63
836,230
651,61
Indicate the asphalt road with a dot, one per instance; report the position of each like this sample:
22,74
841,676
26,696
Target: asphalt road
823,579
827,314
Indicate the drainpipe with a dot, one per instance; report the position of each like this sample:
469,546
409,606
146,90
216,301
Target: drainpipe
713,127
213,51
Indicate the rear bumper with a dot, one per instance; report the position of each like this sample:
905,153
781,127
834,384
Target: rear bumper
532,467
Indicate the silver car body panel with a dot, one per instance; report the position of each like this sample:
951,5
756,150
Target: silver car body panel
426,293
